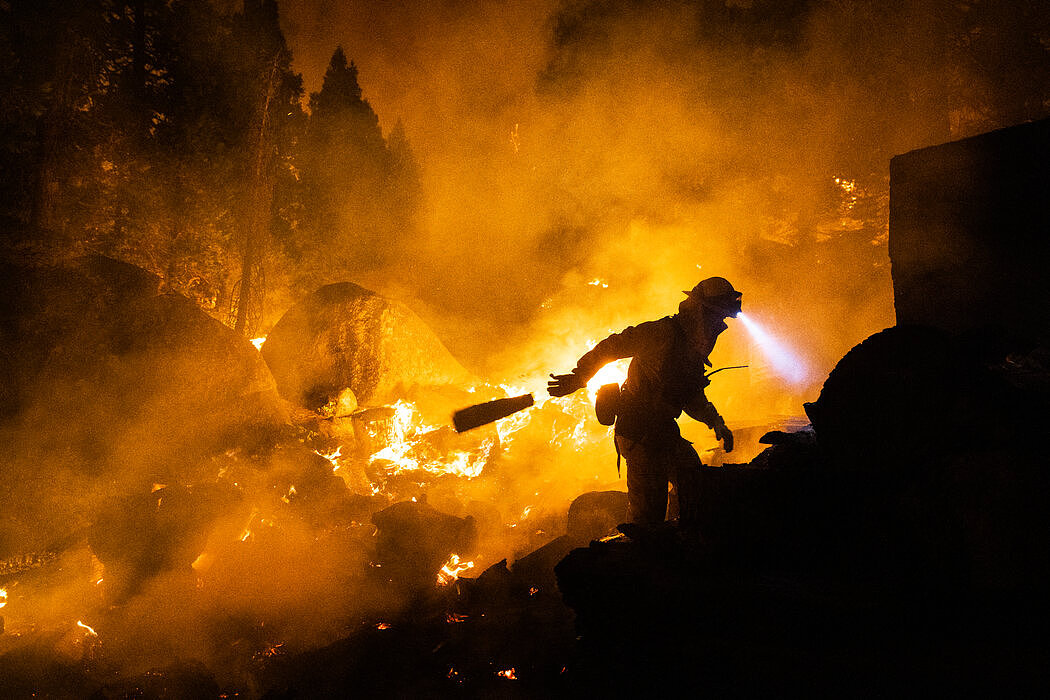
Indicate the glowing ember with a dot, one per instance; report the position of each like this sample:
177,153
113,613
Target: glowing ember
258,342
533,590
599,283
785,362
248,525
452,570
3,597
509,674
332,457
271,651
383,626
287,498
454,618
87,628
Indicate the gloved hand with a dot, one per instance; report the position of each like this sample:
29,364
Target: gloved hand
564,384
723,433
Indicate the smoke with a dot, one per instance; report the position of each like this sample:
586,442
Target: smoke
583,163
647,146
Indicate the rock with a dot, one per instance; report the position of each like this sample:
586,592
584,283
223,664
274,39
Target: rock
143,535
895,400
968,244
596,514
110,387
415,540
343,336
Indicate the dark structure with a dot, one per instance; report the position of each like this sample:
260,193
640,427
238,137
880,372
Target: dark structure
969,242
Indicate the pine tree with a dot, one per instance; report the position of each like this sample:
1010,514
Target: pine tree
347,174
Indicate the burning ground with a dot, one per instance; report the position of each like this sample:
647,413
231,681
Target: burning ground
174,513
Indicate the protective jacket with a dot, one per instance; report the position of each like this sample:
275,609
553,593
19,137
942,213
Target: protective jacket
665,377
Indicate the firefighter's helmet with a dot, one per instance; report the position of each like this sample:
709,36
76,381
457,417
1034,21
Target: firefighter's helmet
717,293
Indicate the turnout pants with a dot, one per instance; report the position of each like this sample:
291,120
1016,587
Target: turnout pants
649,469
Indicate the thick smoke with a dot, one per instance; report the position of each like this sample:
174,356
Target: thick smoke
645,146
583,163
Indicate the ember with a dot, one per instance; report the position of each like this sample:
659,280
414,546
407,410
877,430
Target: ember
87,628
452,569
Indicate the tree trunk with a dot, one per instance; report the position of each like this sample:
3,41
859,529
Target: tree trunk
259,201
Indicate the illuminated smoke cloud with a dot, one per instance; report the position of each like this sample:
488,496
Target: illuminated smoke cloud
785,363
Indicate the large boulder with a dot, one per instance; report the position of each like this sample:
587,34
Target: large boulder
902,397
109,387
343,336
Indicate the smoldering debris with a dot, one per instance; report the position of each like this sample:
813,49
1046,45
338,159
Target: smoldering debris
280,529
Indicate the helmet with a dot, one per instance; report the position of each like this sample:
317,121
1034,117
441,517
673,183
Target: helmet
717,293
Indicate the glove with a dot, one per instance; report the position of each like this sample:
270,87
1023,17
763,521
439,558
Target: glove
564,384
723,433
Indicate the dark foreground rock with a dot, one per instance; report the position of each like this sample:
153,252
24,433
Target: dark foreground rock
903,546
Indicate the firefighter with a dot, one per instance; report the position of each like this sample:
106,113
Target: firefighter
666,376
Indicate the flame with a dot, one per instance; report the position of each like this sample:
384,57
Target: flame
452,569
88,628
509,674
614,372
383,626
247,526
596,282
407,433
258,342
455,618
287,498
332,457
3,597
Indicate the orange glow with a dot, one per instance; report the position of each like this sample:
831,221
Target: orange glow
332,457
509,674
452,570
383,626
614,372
3,597
407,433
87,628
203,562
